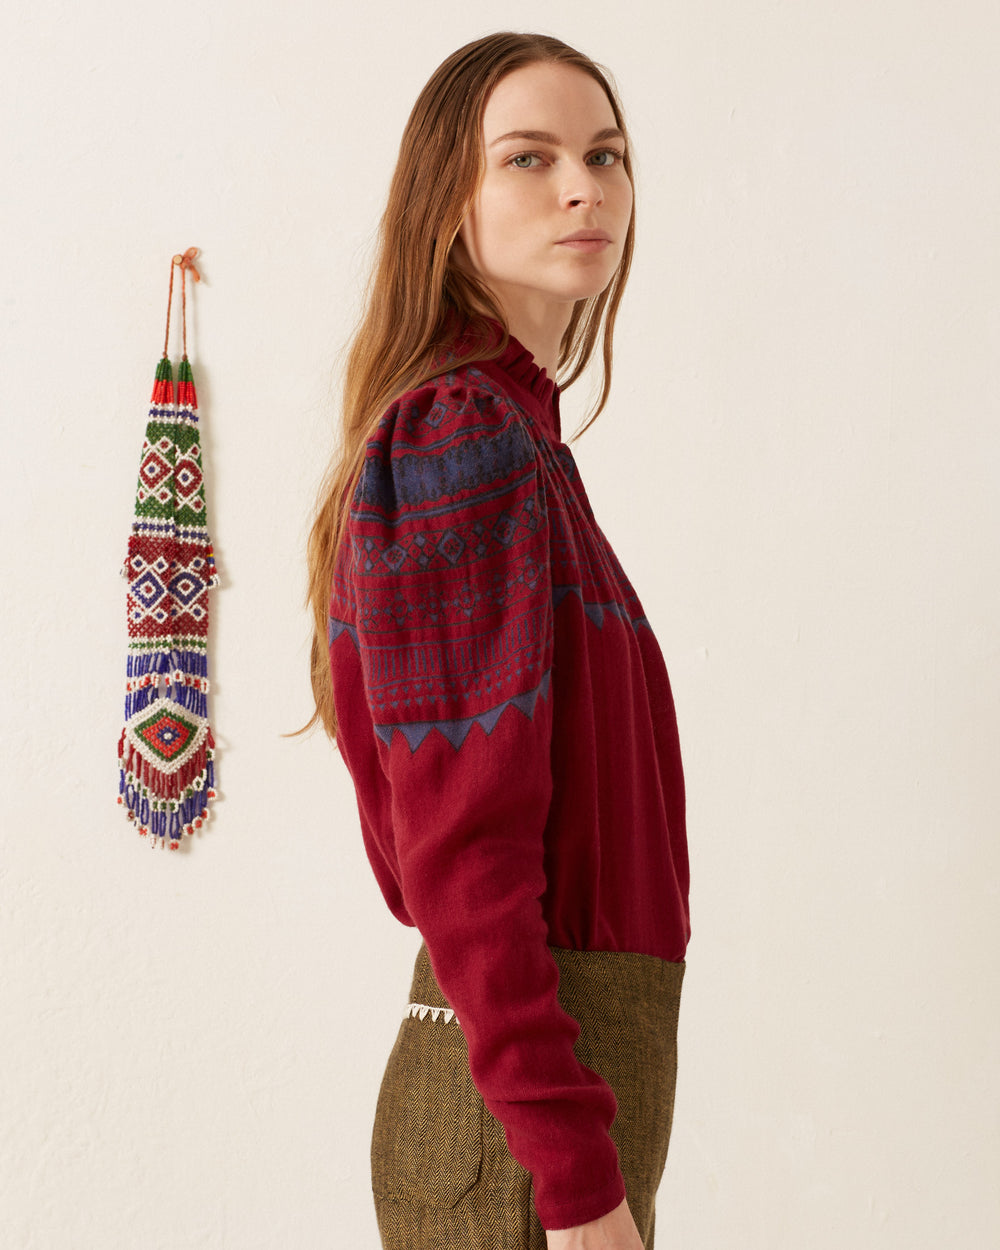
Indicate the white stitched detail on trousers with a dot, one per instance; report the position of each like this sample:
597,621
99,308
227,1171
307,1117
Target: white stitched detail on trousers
420,1011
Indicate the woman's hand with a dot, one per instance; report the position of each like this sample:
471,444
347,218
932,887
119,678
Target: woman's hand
614,1231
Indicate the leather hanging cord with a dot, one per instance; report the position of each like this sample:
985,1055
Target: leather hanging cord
185,262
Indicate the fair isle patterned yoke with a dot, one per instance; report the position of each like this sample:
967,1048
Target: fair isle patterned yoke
166,768
457,557
446,573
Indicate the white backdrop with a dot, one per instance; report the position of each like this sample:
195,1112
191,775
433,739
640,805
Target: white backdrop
797,469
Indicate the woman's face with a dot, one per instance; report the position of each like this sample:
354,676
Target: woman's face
548,223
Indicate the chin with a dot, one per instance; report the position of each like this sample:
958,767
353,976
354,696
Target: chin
587,285
587,291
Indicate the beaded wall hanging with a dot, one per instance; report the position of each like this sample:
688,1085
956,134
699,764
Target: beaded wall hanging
166,767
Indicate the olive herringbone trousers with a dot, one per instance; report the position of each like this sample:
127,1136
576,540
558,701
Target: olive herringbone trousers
442,1175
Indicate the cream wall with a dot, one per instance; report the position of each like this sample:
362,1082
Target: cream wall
798,471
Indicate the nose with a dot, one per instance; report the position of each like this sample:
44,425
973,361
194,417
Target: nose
582,187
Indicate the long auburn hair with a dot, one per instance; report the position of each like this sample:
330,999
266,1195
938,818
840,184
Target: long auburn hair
417,295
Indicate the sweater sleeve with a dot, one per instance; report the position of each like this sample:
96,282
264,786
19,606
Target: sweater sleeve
448,562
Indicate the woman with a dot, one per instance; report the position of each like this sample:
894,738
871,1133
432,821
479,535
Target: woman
493,685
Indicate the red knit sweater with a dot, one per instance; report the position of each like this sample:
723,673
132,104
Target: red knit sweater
506,716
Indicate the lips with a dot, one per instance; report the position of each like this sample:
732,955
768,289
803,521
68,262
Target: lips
587,236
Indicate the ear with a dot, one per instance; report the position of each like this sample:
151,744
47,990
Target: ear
458,254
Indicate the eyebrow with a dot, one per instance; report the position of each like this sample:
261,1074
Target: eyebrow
546,136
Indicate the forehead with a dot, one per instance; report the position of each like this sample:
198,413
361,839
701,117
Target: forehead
546,96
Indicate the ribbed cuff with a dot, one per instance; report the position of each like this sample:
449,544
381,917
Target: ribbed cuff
555,1212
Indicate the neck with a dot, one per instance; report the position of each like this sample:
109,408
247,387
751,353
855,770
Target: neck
537,326
536,321
541,334
541,331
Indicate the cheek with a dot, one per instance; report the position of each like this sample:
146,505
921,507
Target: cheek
497,230
625,201
503,211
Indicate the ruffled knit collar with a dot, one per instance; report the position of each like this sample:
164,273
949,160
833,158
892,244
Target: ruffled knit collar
520,364
517,365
